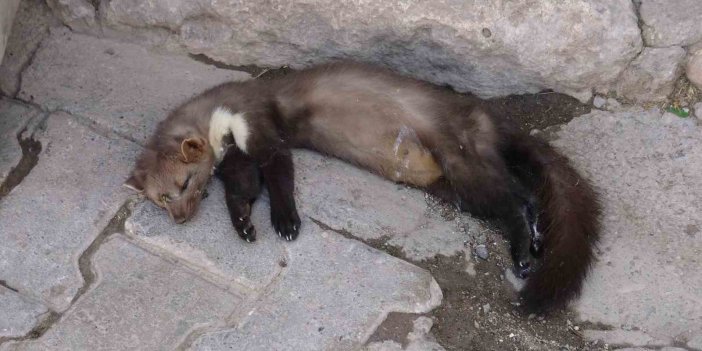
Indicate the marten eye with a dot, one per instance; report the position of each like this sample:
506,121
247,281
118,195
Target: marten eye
186,183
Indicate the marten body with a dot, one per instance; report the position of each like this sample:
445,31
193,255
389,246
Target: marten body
406,130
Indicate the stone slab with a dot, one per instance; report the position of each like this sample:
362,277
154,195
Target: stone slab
209,241
14,117
140,302
648,168
332,295
651,76
123,87
348,198
30,28
18,314
60,207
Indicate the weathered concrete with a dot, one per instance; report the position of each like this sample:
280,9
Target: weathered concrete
332,295
648,171
348,198
140,302
30,27
120,86
651,76
60,207
18,315
14,117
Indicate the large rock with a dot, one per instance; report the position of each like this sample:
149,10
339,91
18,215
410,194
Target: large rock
667,23
77,14
488,47
652,75
7,14
647,167
694,68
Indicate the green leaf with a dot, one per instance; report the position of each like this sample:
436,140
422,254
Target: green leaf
678,112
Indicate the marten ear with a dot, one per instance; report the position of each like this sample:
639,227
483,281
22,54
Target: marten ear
192,149
135,182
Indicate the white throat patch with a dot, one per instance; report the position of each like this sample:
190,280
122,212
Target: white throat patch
223,122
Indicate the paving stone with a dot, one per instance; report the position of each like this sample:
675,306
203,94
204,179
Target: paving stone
209,241
18,315
667,23
348,198
624,337
140,302
649,173
652,75
331,295
60,207
13,118
30,27
120,86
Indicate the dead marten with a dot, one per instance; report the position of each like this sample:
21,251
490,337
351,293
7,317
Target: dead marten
406,130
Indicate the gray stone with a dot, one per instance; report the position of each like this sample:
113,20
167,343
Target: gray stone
671,23
698,110
140,302
613,104
652,75
18,315
77,14
120,86
210,243
30,27
695,342
331,295
648,174
7,14
351,199
419,339
623,337
693,69
60,207
482,252
14,118
489,48
599,101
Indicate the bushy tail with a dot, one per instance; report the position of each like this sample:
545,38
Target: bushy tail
568,220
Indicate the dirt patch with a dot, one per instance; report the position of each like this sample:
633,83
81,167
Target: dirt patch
540,110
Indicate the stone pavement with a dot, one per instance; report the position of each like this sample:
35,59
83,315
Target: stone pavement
86,265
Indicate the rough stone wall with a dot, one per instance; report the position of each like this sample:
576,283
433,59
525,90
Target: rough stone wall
636,49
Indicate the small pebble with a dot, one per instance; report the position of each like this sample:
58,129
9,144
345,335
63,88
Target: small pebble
599,101
486,308
482,252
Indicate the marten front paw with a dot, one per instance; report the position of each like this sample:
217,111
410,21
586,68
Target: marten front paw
286,223
245,229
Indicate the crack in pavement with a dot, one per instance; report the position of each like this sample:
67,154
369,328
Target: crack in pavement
30,157
85,265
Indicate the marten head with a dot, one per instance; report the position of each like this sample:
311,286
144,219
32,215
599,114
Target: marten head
173,173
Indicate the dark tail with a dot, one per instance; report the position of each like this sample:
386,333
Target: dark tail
568,219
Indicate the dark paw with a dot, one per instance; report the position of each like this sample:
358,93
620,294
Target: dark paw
287,225
522,269
245,229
